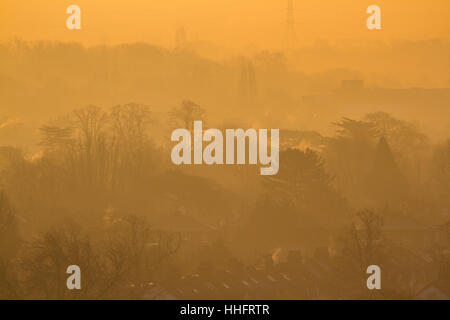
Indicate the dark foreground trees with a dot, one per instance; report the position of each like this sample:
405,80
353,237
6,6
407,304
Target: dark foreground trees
117,263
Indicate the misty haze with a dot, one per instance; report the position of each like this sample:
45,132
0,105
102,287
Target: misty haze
87,179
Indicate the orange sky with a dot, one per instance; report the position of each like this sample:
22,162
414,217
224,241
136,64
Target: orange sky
229,23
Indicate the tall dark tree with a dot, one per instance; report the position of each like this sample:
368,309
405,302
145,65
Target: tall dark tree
303,184
385,182
347,157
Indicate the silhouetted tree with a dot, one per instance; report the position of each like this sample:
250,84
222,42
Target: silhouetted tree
9,246
46,258
125,258
188,112
303,184
348,156
440,170
363,241
385,183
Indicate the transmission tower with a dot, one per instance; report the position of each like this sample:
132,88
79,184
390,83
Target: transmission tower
290,24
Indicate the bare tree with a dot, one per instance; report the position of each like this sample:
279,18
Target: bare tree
46,258
118,266
135,251
133,152
9,246
188,112
9,234
363,240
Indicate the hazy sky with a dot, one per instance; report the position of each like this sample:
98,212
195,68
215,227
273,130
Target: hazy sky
229,23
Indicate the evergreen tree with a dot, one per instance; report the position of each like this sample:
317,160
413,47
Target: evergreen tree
385,182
